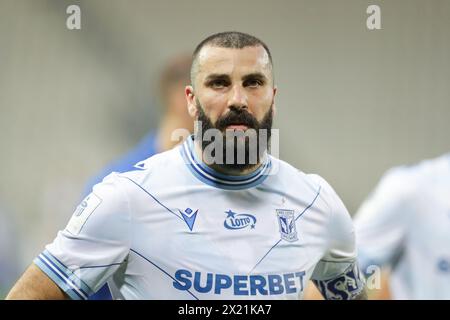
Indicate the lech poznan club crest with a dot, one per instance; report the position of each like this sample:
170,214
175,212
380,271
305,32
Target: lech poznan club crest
286,220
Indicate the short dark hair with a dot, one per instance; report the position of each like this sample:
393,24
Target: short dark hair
229,39
176,71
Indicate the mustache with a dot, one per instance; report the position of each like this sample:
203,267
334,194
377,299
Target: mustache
237,116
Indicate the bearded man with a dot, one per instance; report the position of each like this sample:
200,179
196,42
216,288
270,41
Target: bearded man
217,217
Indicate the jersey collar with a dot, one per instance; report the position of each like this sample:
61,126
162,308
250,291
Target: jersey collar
219,180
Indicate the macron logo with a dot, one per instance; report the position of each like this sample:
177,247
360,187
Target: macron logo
189,217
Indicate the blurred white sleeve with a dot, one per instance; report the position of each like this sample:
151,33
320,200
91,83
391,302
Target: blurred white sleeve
381,221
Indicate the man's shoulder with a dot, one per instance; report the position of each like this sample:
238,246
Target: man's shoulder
434,167
299,180
415,176
158,167
160,164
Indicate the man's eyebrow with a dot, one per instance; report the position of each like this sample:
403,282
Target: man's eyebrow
215,76
255,75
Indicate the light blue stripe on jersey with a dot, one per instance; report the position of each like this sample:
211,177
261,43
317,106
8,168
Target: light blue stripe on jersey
59,278
73,277
301,213
153,197
63,276
162,270
216,179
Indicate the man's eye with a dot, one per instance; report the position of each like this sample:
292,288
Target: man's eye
253,83
218,84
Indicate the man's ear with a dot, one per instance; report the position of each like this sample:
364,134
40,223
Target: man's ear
274,108
190,99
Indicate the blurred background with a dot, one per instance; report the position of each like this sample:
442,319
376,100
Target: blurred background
351,102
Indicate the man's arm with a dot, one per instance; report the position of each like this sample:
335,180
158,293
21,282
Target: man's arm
362,295
35,285
383,292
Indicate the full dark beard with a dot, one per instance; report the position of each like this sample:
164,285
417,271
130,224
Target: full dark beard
234,143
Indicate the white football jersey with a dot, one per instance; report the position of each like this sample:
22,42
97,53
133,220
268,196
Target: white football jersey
176,229
405,224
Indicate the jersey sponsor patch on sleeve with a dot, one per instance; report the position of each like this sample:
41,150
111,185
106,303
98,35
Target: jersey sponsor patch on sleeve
82,213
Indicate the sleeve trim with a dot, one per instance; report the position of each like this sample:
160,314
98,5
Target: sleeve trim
62,275
68,272
62,282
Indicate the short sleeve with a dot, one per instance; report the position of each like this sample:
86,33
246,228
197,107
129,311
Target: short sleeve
94,244
337,275
384,213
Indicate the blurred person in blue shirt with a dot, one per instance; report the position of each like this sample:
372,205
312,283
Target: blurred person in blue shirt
174,77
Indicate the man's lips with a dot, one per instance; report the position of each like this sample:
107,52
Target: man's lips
242,127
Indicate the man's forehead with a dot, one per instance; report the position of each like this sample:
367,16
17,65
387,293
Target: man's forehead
224,60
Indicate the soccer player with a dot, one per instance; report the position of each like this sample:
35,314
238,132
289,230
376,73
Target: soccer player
180,226
404,226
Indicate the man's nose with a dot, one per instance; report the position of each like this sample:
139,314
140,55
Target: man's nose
238,97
